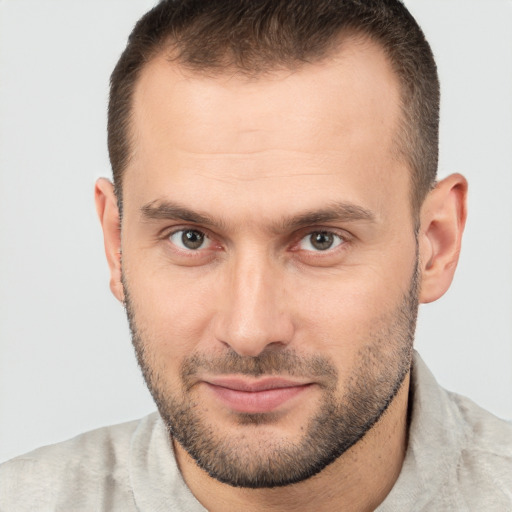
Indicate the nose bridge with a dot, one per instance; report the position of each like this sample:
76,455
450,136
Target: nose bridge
253,316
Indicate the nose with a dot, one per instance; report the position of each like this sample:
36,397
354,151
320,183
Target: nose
253,314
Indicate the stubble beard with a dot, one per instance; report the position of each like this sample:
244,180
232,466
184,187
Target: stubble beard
340,422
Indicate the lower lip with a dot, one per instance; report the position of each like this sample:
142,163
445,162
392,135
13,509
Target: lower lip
254,402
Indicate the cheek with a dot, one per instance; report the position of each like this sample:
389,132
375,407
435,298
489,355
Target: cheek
172,309
348,314
346,302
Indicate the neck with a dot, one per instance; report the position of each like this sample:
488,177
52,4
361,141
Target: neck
358,481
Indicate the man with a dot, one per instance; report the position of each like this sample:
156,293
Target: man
273,224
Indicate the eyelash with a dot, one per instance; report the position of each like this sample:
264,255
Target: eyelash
336,239
203,235
340,240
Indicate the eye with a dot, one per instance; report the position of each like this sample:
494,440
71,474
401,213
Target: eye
320,241
190,239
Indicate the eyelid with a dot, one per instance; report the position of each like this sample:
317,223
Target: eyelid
345,237
171,230
337,240
303,233
165,236
206,240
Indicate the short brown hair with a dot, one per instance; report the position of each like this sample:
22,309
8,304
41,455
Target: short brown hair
255,36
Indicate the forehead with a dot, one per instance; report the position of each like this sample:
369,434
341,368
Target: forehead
323,126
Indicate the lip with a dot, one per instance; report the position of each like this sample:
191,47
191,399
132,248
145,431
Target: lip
255,396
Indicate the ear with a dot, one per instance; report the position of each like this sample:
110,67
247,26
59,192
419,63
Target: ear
442,220
108,213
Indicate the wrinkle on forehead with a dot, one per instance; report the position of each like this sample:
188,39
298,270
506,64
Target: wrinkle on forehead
248,178
263,165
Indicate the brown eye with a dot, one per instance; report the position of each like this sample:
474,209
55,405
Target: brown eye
320,241
189,239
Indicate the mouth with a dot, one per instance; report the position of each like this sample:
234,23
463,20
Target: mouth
255,396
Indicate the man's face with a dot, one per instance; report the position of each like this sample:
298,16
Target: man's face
269,260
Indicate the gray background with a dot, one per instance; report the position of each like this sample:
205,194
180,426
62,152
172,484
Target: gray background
66,362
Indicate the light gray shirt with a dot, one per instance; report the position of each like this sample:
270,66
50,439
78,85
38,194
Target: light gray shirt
459,458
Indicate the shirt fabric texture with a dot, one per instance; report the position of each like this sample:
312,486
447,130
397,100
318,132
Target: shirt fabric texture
459,458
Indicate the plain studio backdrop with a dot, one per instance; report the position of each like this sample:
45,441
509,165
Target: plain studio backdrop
66,361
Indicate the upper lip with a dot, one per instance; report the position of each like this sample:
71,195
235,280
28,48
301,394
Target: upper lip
264,384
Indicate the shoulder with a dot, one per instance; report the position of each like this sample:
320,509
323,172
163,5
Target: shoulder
91,466
459,456
486,432
485,460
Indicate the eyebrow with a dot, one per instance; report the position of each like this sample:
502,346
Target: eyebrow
333,212
345,212
170,210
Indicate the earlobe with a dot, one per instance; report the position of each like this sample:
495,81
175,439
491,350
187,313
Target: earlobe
108,213
443,217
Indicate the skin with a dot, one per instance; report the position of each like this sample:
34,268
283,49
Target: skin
250,154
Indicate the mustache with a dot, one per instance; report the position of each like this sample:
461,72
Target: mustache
275,362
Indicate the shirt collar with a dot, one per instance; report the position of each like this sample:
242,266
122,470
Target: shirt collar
437,434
